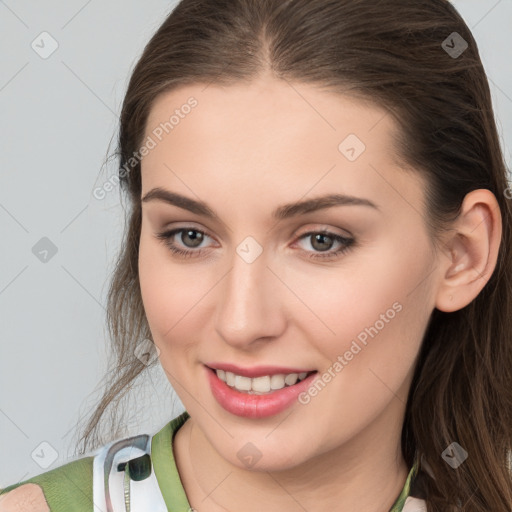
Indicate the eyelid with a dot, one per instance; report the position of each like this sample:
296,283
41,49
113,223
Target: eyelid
318,228
313,228
184,226
347,244
173,232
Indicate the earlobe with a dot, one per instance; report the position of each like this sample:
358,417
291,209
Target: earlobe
471,251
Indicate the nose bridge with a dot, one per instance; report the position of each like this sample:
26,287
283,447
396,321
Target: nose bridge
248,307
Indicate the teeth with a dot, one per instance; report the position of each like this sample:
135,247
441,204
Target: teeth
242,383
259,385
230,378
277,381
291,379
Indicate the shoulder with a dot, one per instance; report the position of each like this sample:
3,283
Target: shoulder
69,484
112,472
27,497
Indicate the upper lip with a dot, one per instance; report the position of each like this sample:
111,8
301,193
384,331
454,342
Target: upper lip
256,371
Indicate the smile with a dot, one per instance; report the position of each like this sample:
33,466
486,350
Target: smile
260,385
257,397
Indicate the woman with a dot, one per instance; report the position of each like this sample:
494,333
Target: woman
319,248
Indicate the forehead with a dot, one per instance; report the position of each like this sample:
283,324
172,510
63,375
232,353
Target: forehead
269,135
267,106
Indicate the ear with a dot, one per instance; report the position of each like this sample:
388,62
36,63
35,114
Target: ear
470,251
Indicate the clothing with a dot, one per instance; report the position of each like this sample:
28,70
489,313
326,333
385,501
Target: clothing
144,468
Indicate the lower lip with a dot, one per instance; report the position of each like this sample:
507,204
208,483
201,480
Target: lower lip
255,406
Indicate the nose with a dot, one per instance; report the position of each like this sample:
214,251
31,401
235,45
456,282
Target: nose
250,308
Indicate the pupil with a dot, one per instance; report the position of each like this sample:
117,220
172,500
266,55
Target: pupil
320,237
196,240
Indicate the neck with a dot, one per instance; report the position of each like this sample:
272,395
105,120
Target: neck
366,474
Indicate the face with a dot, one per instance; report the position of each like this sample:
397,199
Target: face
344,289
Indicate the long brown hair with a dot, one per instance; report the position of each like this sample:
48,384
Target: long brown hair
398,54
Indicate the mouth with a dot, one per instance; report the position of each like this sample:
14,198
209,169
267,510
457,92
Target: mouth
261,396
263,384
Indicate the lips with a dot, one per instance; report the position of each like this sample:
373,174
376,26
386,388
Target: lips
257,371
256,406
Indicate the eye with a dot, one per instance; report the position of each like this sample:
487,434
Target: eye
321,241
188,235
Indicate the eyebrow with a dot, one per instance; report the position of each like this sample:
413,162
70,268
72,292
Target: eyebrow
282,212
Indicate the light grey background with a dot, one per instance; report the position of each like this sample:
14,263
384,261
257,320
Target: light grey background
59,116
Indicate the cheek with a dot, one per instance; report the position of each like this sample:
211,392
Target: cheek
163,306
172,294
376,324
163,293
154,290
374,312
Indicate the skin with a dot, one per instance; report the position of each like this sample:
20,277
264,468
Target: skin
26,498
340,451
246,149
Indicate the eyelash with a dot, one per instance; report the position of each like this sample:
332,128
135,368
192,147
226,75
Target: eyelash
348,243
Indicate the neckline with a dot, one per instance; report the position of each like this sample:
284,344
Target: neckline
169,481
165,468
